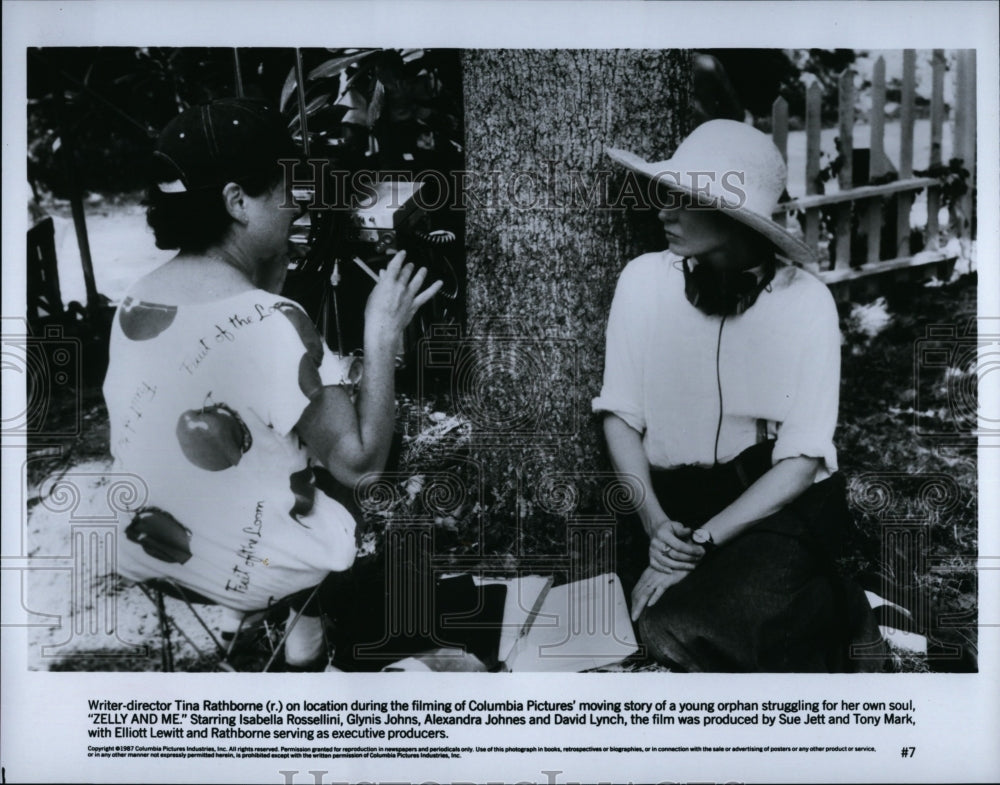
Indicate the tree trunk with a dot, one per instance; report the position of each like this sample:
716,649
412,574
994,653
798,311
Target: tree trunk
544,254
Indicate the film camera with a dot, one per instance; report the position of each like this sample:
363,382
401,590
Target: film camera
342,247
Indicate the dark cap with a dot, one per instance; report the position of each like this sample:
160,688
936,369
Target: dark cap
211,145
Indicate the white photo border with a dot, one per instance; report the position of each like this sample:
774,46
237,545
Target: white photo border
43,713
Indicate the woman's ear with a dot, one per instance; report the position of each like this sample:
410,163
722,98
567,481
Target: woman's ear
234,198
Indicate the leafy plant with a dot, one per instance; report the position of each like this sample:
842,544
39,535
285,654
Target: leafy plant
396,109
953,178
387,114
110,103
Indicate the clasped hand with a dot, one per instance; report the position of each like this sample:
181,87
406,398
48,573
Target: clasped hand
671,557
670,547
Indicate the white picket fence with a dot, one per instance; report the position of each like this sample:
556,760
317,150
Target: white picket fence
858,210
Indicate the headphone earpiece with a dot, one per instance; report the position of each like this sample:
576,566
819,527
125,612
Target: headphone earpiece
719,293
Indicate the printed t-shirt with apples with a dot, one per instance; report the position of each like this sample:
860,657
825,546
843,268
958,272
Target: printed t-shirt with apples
202,401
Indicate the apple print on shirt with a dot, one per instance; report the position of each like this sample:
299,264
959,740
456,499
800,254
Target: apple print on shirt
218,380
214,437
309,379
141,321
161,535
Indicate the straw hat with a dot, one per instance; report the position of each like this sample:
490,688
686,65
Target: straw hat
728,166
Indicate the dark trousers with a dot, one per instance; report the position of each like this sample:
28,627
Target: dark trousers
770,600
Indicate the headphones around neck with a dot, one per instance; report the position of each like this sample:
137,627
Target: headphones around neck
724,293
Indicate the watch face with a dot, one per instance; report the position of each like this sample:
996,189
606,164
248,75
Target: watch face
701,537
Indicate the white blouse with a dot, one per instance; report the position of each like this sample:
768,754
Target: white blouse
666,362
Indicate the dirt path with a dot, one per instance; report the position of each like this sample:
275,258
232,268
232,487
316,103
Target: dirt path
87,617
121,246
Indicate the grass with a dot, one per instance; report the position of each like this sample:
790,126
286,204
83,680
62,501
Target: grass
905,432
903,423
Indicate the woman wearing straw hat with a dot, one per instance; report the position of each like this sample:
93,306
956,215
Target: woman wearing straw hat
721,388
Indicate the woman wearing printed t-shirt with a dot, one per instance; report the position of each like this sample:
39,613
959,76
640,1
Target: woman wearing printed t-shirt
223,398
720,394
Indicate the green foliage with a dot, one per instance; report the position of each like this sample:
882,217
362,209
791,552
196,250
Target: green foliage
824,64
116,99
760,75
954,179
393,109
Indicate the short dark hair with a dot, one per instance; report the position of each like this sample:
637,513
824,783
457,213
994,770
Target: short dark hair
238,140
193,221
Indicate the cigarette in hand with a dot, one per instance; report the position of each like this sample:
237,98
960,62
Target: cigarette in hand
371,273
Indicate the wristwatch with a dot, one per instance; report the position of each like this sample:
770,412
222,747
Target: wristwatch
703,537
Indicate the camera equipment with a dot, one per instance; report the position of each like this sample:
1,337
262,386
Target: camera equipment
352,211
341,248
386,213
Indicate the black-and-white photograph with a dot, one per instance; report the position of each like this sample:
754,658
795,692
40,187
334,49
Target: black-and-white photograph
412,442
630,362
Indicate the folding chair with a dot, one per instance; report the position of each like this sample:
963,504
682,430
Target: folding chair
44,296
273,637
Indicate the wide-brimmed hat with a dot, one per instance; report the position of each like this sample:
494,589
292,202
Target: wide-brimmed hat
730,166
208,146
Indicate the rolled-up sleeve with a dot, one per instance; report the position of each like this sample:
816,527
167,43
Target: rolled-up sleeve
808,428
622,389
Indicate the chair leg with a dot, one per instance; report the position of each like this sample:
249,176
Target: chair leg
166,647
219,648
289,627
166,622
224,651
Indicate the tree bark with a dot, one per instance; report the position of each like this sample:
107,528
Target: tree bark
543,257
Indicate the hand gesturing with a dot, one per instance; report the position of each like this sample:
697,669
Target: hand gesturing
396,298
